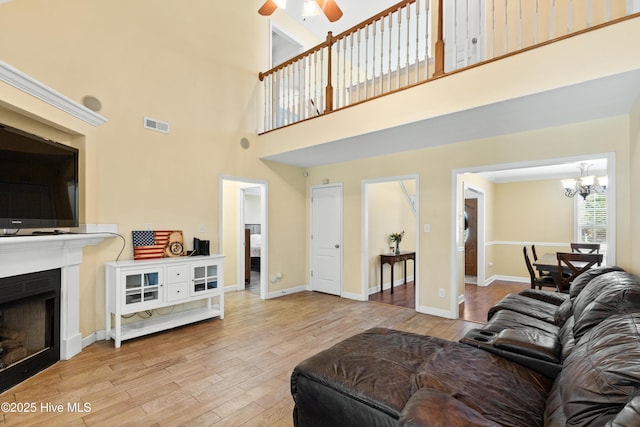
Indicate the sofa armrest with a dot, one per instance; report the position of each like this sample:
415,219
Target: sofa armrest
555,298
428,407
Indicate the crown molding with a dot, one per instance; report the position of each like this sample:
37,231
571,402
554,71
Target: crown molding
27,84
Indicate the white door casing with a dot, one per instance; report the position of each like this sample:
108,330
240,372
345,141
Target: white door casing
326,239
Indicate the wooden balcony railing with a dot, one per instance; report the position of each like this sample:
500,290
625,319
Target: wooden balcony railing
404,45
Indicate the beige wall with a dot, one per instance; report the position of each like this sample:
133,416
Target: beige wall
534,211
434,167
167,63
634,166
182,67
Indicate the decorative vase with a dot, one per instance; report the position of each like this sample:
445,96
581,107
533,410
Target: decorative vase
397,248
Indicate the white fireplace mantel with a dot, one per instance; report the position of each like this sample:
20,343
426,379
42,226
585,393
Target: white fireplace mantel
29,254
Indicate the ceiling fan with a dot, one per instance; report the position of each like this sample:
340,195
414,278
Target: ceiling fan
331,10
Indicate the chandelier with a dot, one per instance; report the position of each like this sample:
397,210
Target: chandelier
586,184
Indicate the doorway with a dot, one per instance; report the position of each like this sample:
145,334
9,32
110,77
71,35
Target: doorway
390,205
244,233
487,181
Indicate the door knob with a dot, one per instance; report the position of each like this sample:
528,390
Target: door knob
337,246
474,40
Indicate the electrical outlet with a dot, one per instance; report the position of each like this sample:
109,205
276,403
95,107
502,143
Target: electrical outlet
441,292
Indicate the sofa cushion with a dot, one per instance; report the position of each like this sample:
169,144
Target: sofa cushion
565,310
582,280
507,319
437,409
601,377
605,295
369,378
531,307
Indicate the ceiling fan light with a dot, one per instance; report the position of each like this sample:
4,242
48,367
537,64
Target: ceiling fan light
281,3
310,8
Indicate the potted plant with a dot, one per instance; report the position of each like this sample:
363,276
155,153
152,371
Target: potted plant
397,238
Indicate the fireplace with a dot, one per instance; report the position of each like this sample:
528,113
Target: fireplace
29,325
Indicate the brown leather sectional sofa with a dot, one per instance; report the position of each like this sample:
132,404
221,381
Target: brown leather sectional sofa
384,377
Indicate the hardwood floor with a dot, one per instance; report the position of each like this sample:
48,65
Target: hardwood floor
402,296
478,299
231,372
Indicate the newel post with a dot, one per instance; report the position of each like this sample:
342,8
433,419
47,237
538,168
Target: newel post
439,61
329,90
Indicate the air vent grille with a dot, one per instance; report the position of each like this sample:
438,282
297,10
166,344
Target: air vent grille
156,125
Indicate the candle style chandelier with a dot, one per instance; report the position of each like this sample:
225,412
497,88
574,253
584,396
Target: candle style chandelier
586,184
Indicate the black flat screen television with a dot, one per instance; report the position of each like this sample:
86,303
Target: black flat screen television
38,182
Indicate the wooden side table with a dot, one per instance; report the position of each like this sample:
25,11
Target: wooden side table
392,259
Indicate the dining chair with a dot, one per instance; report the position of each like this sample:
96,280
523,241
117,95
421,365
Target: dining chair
585,248
574,264
537,280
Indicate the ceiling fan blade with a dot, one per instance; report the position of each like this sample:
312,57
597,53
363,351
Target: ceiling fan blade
268,8
330,9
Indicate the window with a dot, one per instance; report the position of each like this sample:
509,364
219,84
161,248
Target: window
591,221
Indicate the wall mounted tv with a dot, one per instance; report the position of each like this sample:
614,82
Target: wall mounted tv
38,182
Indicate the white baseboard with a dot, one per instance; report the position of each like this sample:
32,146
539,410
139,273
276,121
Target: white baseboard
288,291
511,278
436,312
356,297
94,337
396,283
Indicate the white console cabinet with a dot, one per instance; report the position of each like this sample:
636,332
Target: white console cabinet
143,286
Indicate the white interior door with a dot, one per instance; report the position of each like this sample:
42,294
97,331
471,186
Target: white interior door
464,33
326,239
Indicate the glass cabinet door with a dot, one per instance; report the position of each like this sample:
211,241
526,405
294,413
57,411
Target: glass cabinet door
205,278
141,287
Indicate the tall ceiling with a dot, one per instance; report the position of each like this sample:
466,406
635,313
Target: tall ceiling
355,11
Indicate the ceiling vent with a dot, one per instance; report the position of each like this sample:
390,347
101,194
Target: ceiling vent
156,125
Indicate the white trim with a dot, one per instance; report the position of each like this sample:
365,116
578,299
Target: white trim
27,84
264,221
288,291
364,260
355,297
524,243
506,278
396,284
436,311
611,200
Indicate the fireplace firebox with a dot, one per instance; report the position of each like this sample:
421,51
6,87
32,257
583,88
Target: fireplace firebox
29,325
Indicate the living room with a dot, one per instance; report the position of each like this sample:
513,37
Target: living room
196,68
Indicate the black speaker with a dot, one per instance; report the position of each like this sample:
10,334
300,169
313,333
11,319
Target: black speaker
200,247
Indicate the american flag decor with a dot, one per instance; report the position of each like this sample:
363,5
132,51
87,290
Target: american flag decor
149,244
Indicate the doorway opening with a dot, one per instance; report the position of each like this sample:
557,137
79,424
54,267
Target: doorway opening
244,233
390,206
524,200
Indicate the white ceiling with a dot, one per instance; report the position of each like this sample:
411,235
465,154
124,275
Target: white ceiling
354,12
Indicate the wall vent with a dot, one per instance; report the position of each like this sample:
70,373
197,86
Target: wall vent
157,125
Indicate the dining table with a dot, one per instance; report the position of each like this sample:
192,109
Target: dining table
548,263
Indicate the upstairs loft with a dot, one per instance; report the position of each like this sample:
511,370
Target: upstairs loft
575,64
